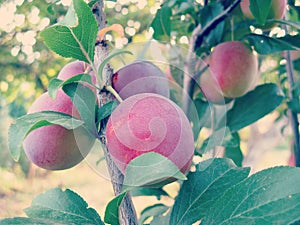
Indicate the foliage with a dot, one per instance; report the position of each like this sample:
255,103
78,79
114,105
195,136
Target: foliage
215,191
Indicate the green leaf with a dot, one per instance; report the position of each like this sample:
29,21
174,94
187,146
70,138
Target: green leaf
294,24
111,55
217,138
161,220
267,197
208,13
269,45
141,191
76,42
106,110
162,24
152,211
92,3
260,10
85,100
55,83
65,207
233,150
25,124
203,187
112,210
253,106
200,115
150,169
30,221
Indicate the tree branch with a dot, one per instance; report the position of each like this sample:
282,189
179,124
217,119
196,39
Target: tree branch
127,211
191,60
293,115
212,24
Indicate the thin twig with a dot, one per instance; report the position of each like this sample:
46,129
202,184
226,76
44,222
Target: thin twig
127,211
293,115
191,60
213,23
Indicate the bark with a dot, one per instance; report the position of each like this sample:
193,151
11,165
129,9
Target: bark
127,211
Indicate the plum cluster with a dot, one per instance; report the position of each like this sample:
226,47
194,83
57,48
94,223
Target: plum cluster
146,121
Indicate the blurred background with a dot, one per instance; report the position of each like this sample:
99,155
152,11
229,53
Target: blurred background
27,66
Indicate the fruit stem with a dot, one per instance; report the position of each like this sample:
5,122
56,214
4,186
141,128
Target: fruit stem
114,92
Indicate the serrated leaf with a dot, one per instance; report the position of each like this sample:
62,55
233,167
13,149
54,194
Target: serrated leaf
25,124
253,106
56,83
76,42
106,110
112,210
63,207
203,187
260,10
267,197
268,45
150,169
85,100
161,24
152,211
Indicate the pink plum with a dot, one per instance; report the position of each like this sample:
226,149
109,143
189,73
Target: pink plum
140,77
54,147
149,123
234,68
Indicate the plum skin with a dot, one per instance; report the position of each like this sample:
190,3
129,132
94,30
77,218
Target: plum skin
211,90
234,68
149,123
140,77
75,68
54,147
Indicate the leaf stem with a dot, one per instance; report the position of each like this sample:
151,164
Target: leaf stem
113,91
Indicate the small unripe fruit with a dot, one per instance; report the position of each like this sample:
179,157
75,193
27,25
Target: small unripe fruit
54,147
277,11
140,77
234,67
149,123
